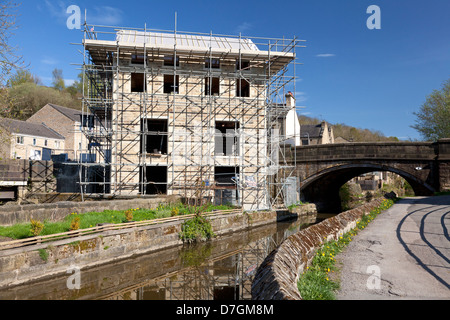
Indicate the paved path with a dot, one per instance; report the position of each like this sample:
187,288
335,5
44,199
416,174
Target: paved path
403,254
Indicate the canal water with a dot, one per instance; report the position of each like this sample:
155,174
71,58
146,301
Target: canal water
222,269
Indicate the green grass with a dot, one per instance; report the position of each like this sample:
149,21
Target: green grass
318,281
91,219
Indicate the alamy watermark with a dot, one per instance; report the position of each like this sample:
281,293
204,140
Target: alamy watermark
374,21
74,20
74,280
374,280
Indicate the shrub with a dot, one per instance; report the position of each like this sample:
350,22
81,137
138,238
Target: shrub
43,254
75,224
129,215
196,229
36,227
174,212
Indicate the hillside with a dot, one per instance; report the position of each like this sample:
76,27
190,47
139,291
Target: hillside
350,133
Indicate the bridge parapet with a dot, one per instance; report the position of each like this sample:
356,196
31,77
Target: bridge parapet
444,149
444,164
323,169
368,151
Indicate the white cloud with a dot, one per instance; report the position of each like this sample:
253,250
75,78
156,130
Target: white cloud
69,82
105,15
243,27
57,10
49,61
300,96
325,55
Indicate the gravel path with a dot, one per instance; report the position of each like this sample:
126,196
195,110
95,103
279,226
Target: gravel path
402,254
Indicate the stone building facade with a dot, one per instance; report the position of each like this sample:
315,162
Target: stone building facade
30,141
321,133
184,114
67,122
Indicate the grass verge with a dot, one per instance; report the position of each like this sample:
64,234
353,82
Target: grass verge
91,219
317,282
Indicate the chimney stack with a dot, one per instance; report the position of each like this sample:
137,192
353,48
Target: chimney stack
290,100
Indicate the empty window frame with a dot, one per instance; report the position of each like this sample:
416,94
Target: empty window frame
213,63
170,61
242,88
138,83
154,136
171,83
227,138
212,86
153,180
87,120
137,59
226,176
243,65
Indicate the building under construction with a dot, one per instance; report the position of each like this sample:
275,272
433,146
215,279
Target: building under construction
197,115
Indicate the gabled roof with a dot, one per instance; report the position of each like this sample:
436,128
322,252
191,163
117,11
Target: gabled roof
186,40
29,128
313,130
72,114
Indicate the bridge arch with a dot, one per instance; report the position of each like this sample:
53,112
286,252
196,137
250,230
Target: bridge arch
322,188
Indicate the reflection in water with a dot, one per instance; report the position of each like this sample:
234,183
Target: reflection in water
222,269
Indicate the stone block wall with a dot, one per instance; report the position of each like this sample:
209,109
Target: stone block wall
21,265
12,214
444,164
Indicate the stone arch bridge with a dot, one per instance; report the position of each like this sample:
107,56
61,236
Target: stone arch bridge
323,169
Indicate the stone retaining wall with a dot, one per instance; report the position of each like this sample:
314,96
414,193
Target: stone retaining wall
277,277
21,265
11,214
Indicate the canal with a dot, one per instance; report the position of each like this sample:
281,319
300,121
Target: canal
222,269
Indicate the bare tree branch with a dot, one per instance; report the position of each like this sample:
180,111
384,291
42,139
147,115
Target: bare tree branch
10,60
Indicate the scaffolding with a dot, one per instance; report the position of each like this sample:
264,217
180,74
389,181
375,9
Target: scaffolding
193,114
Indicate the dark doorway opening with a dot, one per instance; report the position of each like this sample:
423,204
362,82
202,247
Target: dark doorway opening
155,181
225,188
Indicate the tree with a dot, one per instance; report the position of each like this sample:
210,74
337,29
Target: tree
29,97
433,118
58,80
78,84
348,132
9,59
76,89
23,76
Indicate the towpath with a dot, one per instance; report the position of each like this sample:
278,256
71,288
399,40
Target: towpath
402,254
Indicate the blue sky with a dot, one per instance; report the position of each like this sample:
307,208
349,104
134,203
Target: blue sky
366,78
